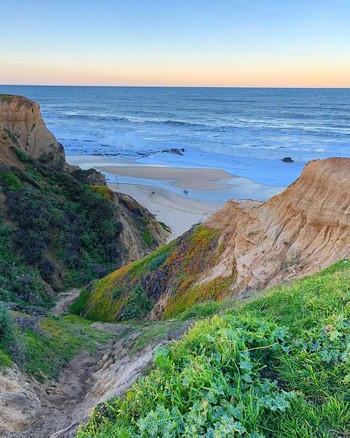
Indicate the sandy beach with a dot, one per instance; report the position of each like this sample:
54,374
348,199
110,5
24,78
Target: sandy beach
177,212
177,196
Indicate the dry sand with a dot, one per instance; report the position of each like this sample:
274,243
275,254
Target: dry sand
177,212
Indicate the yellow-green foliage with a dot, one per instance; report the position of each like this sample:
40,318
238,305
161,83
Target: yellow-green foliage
5,360
99,300
103,191
174,269
215,290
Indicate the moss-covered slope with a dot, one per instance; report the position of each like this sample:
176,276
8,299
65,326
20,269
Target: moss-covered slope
165,282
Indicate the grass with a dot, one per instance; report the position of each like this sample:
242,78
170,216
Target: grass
277,365
55,342
154,332
5,360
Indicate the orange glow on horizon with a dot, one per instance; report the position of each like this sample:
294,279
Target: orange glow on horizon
243,75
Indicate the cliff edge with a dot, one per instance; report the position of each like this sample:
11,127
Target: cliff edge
21,123
297,232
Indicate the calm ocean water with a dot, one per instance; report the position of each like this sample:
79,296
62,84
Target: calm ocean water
244,130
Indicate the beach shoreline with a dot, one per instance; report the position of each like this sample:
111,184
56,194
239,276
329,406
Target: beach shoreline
177,196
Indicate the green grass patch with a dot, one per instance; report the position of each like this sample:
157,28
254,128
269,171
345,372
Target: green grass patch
11,181
6,98
152,333
5,360
56,342
147,237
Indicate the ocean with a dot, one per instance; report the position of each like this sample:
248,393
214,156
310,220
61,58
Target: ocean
247,131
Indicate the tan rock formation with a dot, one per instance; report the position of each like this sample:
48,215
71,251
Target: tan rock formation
22,123
298,232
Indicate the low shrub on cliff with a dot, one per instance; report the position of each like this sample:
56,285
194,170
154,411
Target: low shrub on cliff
6,329
275,366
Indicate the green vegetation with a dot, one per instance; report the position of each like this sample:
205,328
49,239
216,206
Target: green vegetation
11,181
104,191
147,237
173,269
99,302
18,282
158,260
53,228
6,98
153,332
137,305
277,365
165,226
42,345
6,336
53,342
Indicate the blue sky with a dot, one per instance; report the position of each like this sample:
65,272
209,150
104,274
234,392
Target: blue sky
151,42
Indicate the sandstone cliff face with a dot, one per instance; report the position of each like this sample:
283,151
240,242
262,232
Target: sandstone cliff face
21,122
300,231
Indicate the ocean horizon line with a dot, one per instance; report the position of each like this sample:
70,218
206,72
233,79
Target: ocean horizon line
180,86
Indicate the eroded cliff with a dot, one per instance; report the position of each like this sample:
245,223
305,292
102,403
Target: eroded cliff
245,246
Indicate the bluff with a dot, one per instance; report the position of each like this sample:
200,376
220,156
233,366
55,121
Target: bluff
23,126
244,247
60,226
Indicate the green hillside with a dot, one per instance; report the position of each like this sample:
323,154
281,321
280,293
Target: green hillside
172,270
277,365
57,230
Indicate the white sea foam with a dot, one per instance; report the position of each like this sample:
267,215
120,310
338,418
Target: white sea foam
246,131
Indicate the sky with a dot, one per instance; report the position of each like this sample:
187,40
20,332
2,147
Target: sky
233,43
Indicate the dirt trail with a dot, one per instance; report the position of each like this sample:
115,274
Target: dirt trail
65,299
88,379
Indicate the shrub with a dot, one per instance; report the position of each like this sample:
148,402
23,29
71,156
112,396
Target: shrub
11,181
104,191
158,261
6,328
22,156
137,306
147,237
117,293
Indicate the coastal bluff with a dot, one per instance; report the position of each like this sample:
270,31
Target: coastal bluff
244,247
298,232
21,122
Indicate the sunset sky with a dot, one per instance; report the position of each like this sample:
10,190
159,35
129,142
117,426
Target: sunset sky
293,43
